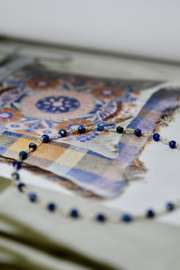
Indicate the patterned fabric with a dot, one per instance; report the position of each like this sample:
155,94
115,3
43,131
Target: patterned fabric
102,175
41,102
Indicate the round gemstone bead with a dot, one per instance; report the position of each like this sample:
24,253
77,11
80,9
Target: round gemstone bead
101,218
126,218
17,165
119,129
15,176
156,137
150,214
137,132
63,132
32,197
172,144
51,207
170,206
20,186
81,129
100,127
23,155
74,213
32,146
45,138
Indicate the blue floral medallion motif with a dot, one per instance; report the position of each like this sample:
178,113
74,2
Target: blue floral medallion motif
58,104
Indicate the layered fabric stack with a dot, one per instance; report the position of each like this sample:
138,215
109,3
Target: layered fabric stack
38,102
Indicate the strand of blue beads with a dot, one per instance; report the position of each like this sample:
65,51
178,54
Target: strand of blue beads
74,213
172,144
156,137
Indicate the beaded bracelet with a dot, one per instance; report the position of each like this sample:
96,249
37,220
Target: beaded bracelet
74,213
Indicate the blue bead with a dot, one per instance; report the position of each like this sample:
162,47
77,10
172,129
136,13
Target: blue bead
81,129
63,132
170,206
15,176
32,197
74,213
172,144
126,218
119,129
23,155
33,146
100,127
51,206
45,138
17,165
156,137
101,217
20,186
137,132
150,213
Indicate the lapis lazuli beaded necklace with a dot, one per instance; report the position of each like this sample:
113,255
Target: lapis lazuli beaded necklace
74,213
